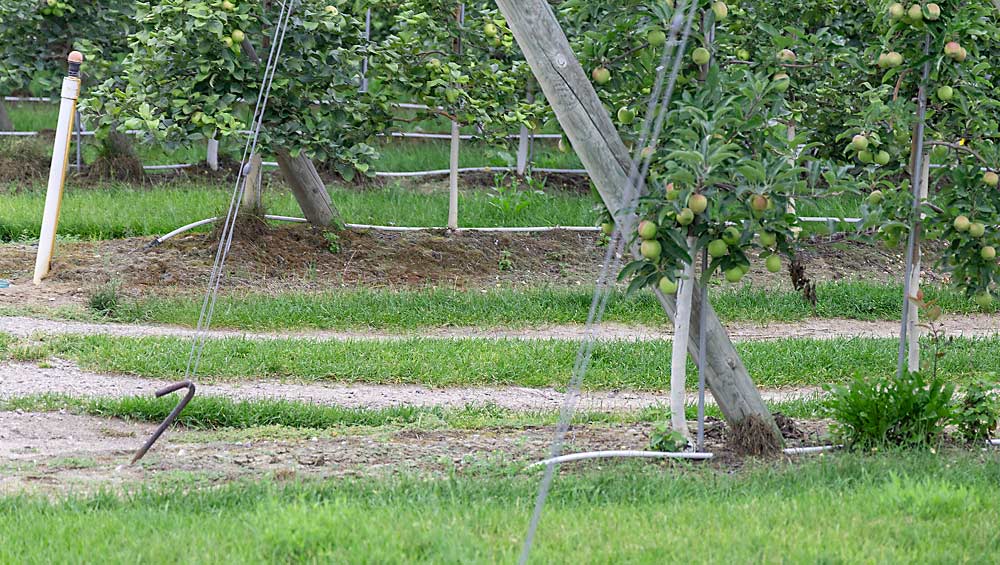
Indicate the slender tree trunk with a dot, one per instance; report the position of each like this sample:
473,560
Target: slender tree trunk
913,330
308,188
117,158
5,123
682,336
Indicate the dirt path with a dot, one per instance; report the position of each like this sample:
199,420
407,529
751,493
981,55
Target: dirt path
21,379
57,453
955,326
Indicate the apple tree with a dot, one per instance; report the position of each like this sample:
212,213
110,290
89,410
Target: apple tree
935,103
722,176
464,66
196,67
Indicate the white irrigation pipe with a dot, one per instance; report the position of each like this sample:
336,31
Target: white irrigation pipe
995,442
623,454
810,450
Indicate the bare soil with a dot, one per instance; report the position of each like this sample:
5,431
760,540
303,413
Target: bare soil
299,258
61,453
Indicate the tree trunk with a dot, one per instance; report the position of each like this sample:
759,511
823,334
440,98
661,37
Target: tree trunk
308,188
913,330
117,159
252,201
5,123
593,135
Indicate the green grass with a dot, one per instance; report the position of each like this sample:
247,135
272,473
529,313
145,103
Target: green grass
528,363
149,212
410,310
216,413
901,508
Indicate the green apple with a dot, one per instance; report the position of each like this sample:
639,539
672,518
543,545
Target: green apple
626,116
647,230
743,55
685,217
332,10
656,38
607,228
773,263
893,59
988,253
731,235
228,41
875,198
866,157
883,158
238,36
601,75
651,249
787,56
718,248
859,142
916,13
991,179
759,202
701,56
953,50
490,30
897,11
962,223
734,275
768,239
228,6
945,93
698,203
781,82
721,10
977,230
933,12
668,286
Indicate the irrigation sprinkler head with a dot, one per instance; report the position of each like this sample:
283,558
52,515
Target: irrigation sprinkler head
75,60
170,419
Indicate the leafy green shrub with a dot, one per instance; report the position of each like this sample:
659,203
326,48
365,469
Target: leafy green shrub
976,414
664,438
909,411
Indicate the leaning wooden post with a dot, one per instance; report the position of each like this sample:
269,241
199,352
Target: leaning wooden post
596,141
57,170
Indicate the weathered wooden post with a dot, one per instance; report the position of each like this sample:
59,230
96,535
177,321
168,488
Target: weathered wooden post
600,148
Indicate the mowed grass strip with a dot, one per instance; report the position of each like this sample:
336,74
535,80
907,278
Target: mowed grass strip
406,310
214,413
894,508
528,363
139,212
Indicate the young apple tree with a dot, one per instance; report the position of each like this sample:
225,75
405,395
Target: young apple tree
196,67
935,103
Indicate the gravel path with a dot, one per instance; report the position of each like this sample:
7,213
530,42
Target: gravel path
22,379
956,326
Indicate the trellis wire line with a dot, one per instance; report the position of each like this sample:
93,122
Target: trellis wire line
226,238
917,166
612,258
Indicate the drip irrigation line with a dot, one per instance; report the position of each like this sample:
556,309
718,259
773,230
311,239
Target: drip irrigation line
625,219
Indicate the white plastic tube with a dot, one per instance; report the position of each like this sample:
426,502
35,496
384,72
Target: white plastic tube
623,454
57,170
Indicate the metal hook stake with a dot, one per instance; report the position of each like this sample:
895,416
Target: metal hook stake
170,419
